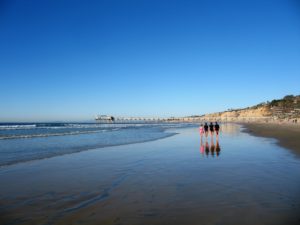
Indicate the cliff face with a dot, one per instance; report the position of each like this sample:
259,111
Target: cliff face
263,111
254,113
287,108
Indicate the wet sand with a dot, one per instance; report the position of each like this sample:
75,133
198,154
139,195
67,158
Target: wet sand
288,135
167,181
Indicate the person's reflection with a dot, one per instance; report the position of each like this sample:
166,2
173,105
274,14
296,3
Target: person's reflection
212,147
201,147
218,148
206,148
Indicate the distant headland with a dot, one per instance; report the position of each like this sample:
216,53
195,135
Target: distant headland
286,109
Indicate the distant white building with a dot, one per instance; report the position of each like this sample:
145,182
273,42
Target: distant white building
104,118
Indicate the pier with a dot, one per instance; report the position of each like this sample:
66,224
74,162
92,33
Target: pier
130,119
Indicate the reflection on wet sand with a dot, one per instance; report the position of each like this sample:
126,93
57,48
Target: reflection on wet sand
230,129
218,148
210,149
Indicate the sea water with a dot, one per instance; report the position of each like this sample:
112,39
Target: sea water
20,142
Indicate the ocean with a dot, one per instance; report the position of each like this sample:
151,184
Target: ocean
20,142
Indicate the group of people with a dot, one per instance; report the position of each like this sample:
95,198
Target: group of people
203,129
213,148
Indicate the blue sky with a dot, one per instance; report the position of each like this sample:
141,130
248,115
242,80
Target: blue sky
70,60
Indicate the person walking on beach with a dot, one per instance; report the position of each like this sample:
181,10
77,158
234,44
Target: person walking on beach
217,128
211,128
201,130
206,129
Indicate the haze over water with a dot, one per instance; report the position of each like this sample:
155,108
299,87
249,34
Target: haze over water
166,181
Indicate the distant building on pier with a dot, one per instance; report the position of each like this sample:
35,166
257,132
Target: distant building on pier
104,118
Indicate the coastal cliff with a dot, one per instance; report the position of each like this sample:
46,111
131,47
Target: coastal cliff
263,111
285,109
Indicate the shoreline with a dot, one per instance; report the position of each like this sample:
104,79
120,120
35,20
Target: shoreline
157,183
83,150
287,135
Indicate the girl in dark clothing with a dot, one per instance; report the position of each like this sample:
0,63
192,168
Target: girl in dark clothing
217,128
211,128
206,129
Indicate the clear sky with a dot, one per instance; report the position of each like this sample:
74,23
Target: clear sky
71,60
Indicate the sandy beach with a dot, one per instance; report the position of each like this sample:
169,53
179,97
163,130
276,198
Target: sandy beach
167,181
288,135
